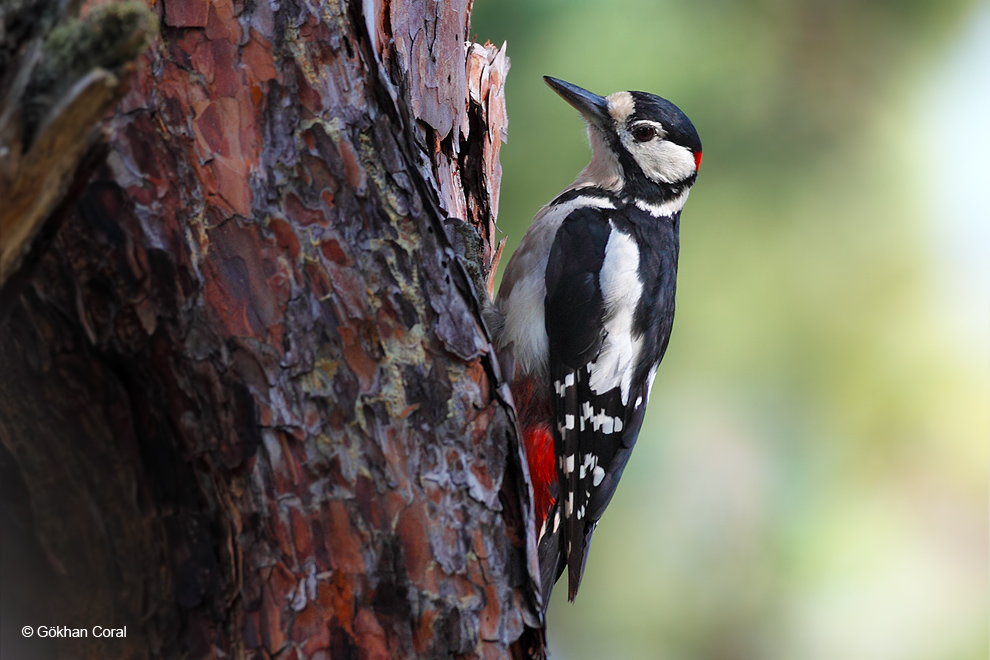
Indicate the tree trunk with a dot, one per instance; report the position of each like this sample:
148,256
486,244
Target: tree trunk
248,404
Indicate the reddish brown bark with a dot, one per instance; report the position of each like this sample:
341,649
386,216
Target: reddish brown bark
248,406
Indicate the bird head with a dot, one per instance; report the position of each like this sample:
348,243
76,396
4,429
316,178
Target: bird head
642,145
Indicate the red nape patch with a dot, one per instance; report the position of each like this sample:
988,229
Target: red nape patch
540,456
697,161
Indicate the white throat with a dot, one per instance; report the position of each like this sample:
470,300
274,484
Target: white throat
604,170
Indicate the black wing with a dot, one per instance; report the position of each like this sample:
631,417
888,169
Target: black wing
575,311
600,391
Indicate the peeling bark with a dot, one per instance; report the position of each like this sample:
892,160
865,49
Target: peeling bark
248,406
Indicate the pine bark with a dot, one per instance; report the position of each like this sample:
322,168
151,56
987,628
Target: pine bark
248,404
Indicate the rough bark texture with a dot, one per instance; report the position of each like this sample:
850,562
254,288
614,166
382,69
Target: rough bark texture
248,407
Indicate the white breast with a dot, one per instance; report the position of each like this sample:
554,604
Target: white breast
523,292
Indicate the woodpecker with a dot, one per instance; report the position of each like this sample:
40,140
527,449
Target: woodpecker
585,310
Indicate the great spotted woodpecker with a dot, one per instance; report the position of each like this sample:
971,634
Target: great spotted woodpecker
585,311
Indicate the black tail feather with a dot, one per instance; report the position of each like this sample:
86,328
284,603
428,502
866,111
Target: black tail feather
552,560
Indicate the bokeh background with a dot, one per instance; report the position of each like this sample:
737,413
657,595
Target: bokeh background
812,478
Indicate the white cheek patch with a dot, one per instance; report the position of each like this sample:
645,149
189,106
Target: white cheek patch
660,160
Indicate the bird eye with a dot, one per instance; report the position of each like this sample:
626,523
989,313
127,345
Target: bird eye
644,133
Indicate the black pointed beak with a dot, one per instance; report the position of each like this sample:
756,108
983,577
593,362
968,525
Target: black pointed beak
592,107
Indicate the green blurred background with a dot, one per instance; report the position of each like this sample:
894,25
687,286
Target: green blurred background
812,478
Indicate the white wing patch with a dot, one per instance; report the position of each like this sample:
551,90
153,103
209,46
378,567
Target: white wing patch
652,376
621,289
597,475
599,421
